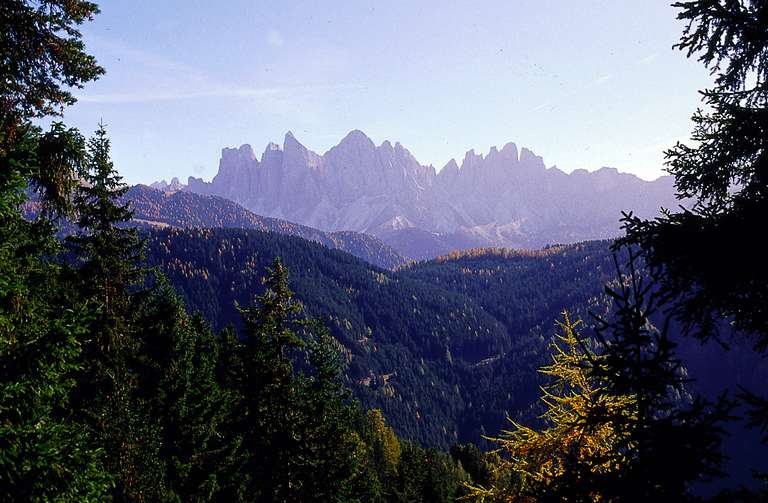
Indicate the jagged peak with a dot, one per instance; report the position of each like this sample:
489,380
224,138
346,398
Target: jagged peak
291,141
471,158
510,148
528,157
271,151
244,151
356,137
399,148
450,166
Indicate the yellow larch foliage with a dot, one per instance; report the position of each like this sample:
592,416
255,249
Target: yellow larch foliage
578,429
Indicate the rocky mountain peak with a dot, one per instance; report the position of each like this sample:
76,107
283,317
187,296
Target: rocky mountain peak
531,160
504,198
356,139
243,153
291,143
471,160
509,150
450,168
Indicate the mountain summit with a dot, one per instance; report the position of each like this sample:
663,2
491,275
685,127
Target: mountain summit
503,198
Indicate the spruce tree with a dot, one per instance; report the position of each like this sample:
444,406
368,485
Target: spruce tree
178,364
294,418
269,422
47,454
708,260
109,275
332,453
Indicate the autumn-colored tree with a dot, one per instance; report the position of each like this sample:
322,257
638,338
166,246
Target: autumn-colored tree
569,449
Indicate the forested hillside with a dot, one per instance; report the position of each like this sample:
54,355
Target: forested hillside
433,344
446,348
185,209
151,352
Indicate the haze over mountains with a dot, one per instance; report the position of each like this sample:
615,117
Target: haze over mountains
503,198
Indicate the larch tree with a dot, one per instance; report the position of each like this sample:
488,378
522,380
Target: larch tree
579,438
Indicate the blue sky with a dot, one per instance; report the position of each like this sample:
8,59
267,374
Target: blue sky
584,84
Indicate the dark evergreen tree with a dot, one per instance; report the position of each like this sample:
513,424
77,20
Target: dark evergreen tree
269,419
178,364
47,454
109,275
43,58
709,260
670,440
332,454
724,174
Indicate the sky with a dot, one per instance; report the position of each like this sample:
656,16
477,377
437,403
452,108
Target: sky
584,84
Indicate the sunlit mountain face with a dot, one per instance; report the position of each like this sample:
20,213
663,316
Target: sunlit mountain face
503,198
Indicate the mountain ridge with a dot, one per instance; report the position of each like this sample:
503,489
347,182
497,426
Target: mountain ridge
161,209
507,197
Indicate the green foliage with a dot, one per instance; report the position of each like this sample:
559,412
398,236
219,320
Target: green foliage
46,454
46,58
107,261
725,173
440,348
109,390
178,379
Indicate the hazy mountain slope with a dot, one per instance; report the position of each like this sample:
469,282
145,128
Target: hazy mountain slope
186,209
505,198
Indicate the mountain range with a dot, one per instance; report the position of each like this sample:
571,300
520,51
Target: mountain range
507,197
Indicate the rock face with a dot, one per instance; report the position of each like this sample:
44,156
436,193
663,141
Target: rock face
504,198
168,187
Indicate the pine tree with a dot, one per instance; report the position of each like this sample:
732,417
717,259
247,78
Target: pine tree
178,365
709,260
47,455
109,275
